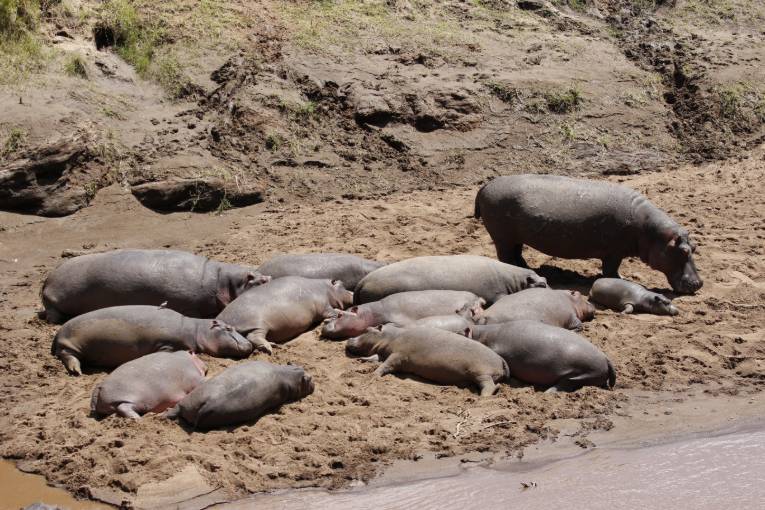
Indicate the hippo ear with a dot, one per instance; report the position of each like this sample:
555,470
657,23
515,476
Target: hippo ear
686,249
354,310
214,324
468,333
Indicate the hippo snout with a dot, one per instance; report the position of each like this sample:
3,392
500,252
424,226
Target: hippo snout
306,384
353,347
687,284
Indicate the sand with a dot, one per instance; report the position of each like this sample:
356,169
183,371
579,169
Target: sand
355,424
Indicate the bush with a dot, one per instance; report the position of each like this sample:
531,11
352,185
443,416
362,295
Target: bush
564,102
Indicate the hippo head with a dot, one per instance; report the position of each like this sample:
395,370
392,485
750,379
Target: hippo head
339,296
369,342
306,386
674,257
235,281
662,305
472,311
223,341
533,280
585,311
345,324
300,383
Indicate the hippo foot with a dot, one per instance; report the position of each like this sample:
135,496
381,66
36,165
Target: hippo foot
126,410
259,343
628,308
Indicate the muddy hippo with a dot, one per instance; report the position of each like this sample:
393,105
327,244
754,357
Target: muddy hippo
562,308
484,277
433,354
402,308
192,285
349,269
112,336
149,384
284,309
242,393
547,356
629,297
580,219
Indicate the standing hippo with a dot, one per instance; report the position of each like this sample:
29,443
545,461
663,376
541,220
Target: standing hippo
484,277
149,384
547,356
628,297
112,336
580,219
562,308
192,285
242,393
402,308
433,354
349,269
284,309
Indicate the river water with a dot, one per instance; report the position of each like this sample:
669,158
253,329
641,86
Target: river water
719,472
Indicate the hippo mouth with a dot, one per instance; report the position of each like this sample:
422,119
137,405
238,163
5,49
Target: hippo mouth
686,285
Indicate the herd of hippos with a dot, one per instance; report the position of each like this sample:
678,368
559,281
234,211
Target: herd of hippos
454,320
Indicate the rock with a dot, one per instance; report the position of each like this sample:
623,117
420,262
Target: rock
196,195
42,181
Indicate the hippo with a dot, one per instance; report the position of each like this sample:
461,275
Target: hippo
402,308
284,309
242,393
149,384
484,277
189,284
433,354
547,356
580,219
455,323
562,308
629,297
349,269
109,337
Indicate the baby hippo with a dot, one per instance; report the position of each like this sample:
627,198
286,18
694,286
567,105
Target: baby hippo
284,309
112,336
242,393
433,354
629,297
547,356
349,269
192,285
562,308
149,384
402,308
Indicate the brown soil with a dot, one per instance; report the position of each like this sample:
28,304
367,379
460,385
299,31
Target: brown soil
354,423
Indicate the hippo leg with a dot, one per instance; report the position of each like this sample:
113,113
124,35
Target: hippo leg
70,361
628,308
127,410
510,253
487,385
575,324
389,366
258,340
374,358
566,385
611,267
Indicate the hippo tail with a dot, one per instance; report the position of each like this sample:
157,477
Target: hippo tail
611,375
477,209
506,369
94,400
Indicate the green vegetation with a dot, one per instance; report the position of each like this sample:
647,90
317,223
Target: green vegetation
13,142
134,39
75,66
20,49
298,111
274,141
741,102
568,132
577,5
635,98
565,101
510,95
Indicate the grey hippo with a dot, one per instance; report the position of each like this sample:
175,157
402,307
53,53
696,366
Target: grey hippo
630,297
349,269
581,219
562,308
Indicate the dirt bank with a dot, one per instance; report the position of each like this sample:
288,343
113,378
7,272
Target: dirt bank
354,424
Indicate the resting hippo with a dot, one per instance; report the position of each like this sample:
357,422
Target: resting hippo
455,323
402,309
349,269
482,276
192,285
580,219
547,356
149,384
628,297
284,309
242,393
433,354
112,336
562,308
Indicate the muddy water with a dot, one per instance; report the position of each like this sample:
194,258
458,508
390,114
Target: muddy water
18,490
724,471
